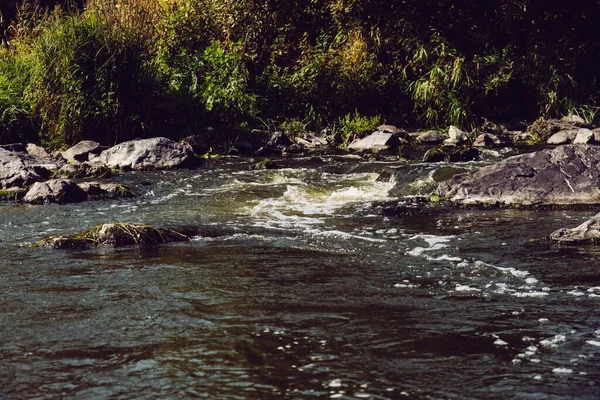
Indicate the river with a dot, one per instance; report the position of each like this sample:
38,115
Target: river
310,281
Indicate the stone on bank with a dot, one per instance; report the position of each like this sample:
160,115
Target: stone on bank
148,154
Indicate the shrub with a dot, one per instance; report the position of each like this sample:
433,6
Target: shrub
357,124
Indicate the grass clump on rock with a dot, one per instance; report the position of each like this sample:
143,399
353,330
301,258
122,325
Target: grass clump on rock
114,234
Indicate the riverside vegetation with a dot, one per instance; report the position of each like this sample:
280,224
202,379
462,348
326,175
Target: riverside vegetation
114,70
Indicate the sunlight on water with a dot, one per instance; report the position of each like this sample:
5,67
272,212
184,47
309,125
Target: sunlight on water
299,284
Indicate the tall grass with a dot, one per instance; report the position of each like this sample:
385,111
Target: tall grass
120,69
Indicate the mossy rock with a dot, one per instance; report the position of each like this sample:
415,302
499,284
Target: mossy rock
266,164
13,194
114,234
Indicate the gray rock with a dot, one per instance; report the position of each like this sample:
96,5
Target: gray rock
457,135
584,136
147,154
81,151
38,151
88,169
20,169
565,136
450,142
55,191
575,119
279,140
377,141
431,137
67,171
392,129
587,233
564,175
108,190
485,140
596,133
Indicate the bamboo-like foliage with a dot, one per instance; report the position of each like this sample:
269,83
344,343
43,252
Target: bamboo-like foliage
120,69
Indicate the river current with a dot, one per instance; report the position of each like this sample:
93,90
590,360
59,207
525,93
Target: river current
311,281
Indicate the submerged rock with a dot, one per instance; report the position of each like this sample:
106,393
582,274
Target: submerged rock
147,154
265,164
67,191
565,175
587,233
114,234
106,190
13,193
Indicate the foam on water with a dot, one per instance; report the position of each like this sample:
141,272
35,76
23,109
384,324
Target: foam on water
304,205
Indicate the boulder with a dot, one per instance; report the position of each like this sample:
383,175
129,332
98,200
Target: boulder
105,190
88,169
491,140
575,120
55,191
38,151
565,175
392,129
543,129
377,141
457,135
279,141
435,155
148,154
584,136
565,136
587,233
596,133
19,169
81,151
431,137
114,234
484,140
249,142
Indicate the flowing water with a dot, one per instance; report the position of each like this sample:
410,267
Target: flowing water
311,281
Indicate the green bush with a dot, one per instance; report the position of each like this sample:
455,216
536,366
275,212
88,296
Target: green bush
15,123
357,125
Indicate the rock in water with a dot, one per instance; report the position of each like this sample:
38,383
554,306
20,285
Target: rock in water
114,234
587,233
55,191
145,154
565,175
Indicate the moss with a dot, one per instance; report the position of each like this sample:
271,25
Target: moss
266,164
114,234
12,194
434,198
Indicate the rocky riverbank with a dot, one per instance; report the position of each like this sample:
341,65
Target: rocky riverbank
566,173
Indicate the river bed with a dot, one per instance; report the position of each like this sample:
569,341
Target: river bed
311,281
